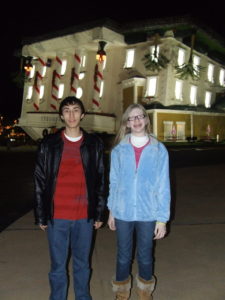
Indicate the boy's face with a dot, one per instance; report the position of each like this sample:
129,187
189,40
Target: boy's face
72,115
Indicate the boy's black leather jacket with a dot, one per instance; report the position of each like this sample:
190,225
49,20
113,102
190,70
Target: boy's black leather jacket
46,170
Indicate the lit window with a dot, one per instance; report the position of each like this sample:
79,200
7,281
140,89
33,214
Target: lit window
193,94
151,86
81,75
42,90
154,55
196,60
79,92
181,57
168,125
180,130
43,71
61,90
29,92
101,89
31,74
63,68
208,97
210,72
178,89
129,58
83,61
222,77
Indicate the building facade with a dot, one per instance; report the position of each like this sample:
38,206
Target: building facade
162,66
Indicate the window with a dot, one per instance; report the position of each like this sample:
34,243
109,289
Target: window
81,75
222,77
83,61
42,90
178,89
31,74
129,58
154,55
196,60
180,130
208,97
101,89
61,90
168,125
151,86
181,57
79,92
63,67
43,71
210,72
193,94
29,92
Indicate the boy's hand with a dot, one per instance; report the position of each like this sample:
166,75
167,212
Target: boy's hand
97,224
43,227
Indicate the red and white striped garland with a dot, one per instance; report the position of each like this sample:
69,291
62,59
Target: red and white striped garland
55,84
98,78
37,82
75,73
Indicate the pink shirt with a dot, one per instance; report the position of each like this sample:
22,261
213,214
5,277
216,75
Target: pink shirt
138,151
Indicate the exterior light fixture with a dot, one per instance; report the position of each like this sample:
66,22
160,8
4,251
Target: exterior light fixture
27,64
101,54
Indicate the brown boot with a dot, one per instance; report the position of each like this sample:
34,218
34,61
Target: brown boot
145,288
122,289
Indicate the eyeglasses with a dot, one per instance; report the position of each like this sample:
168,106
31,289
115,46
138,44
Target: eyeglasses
138,117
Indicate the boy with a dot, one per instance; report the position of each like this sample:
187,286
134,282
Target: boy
70,198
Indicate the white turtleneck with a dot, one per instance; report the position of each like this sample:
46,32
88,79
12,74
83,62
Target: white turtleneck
139,141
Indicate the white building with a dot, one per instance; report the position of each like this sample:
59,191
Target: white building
65,64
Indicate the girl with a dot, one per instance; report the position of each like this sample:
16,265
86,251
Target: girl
139,199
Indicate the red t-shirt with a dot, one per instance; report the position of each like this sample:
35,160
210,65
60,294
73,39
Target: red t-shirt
70,198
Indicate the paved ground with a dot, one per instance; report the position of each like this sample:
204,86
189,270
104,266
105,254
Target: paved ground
189,262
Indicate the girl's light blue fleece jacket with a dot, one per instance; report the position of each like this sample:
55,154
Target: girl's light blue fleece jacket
141,194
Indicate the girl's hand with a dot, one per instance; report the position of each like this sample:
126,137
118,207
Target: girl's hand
111,222
160,230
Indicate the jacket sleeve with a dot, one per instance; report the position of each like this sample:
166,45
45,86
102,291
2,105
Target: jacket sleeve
39,186
163,185
100,186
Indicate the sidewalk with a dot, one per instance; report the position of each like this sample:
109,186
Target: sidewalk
190,263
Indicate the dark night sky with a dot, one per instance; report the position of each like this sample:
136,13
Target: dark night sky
33,19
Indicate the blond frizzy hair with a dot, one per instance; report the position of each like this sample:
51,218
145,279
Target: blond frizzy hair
123,130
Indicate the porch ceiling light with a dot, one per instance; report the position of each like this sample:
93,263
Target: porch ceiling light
27,64
101,54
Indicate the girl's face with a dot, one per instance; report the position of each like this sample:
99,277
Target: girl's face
137,122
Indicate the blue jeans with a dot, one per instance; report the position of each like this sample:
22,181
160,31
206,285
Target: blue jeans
144,237
63,235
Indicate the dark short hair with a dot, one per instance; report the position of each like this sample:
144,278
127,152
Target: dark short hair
71,100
